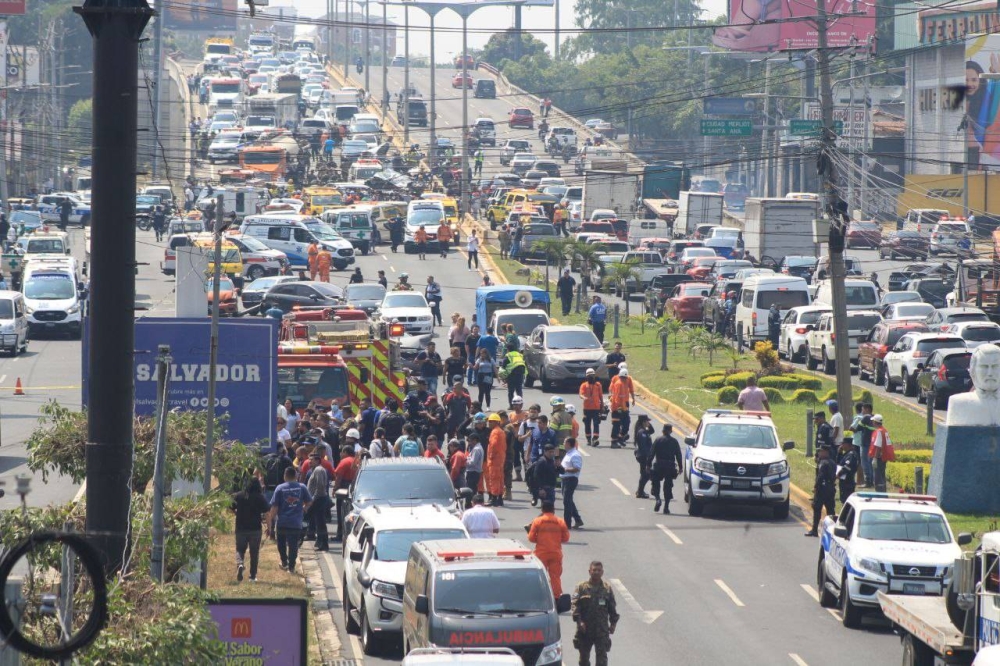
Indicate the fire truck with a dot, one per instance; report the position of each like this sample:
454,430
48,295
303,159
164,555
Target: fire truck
336,354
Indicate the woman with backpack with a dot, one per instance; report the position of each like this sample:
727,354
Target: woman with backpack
409,445
485,370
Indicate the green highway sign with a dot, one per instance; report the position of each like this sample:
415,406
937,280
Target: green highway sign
801,127
730,127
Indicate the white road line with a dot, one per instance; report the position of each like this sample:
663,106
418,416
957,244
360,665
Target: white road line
673,537
620,487
582,452
729,593
797,659
392,268
384,258
2,377
811,591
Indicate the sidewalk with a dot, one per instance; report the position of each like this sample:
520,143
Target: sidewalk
324,588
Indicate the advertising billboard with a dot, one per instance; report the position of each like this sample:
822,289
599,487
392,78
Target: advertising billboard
13,7
271,632
213,16
771,25
982,100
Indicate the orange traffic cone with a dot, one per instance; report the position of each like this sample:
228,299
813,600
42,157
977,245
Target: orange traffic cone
17,387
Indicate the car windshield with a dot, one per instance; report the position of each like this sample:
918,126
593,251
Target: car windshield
572,340
899,297
965,316
262,284
404,301
394,545
304,384
252,244
784,299
739,435
811,317
539,230
958,362
893,525
865,226
430,484
49,287
914,309
427,216
328,290
147,200
862,322
523,324
692,252
225,87
693,290
492,591
6,309
323,231
365,292
49,246
800,262
981,333
861,295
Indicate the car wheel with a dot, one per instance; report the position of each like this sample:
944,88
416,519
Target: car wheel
909,384
255,272
916,653
892,255
921,397
781,510
369,643
811,363
941,401
887,383
829,367
851,613
695,506
827,599
878,376
349,623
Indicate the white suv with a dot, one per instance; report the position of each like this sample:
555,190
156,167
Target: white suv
735,457
375,555
793,341
897,544
822,350
904,361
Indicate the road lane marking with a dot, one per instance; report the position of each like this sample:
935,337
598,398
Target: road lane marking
811,592
673,537
797,659
2,377
355,643
582,452
392,268
649,617
729,593
620,487
384,258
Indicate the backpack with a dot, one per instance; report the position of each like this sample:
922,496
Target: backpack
392,423
274,470
410,448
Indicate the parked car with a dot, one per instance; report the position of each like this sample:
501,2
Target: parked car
907,311
942,318
872,350
864,233
976,333
903,363
793,340
686,300
822,350
563,354
945,373
904,243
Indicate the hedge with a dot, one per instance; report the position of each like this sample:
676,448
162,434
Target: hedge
922,456
807,381
805,396
713,382
782,383
739,379
901,475
728,395
866,396
773,395
713,373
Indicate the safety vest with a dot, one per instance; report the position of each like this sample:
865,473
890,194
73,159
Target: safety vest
514,360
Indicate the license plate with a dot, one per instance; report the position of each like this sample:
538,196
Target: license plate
912,588
741,483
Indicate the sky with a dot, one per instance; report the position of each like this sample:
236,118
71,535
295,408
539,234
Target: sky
538,20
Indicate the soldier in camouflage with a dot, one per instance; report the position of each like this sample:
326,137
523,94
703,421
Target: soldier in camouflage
596,616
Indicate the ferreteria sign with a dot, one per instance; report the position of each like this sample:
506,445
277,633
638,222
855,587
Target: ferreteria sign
949,24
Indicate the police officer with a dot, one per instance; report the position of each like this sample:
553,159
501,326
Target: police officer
773,325
65,208
597,317
848,462
596,615
514,368
824,490
666,463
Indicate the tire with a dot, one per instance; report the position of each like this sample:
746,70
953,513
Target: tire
826,598
780,511
811,363
878,377
941,401
829,367
369,642
887,383
85,221
851,613
364,249
695,506
909,384
921,397
546,384
349,623
144,223
255,272
789,354
915,653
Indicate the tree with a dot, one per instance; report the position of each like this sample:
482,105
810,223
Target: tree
711,343
613,25
587,259
80,123
554,251
501,46
621,274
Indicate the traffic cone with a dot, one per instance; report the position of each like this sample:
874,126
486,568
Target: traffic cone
17,387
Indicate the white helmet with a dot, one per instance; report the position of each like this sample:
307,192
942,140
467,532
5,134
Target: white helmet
571,409
353,432
623,372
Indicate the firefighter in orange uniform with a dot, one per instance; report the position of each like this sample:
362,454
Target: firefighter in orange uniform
323,261
496,456
549,532
620,392
313,256
444,237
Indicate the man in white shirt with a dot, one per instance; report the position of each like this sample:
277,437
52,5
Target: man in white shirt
572,464
836,421
282,412
480,520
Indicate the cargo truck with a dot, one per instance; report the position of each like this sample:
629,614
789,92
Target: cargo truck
615,190
696,209
777,228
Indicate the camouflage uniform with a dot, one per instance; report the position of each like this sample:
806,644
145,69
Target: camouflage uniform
594,605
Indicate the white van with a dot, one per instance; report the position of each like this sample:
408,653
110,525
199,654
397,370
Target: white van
289,234
51,243
344,113
52,302
13,323
486,131
759,292
354,224
642,228
861,294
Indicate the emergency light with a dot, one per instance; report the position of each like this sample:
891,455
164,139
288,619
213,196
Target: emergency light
897,496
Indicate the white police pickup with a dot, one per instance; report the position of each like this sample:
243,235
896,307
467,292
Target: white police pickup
897,544
735,457
49,207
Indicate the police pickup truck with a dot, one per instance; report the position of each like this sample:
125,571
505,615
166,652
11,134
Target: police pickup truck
49,207
884,542
735,457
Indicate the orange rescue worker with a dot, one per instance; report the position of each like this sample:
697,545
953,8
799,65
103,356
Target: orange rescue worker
323,261
619,393
549,532
496,457
313,252
593,402
420,238
444,237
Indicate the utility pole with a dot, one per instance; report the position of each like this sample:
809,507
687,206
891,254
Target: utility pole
368,46
406,77
163,360
157,76
555,50
116,29
833,206
4,179
348,36
213,359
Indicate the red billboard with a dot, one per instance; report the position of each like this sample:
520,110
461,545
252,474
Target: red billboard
780,25
13,7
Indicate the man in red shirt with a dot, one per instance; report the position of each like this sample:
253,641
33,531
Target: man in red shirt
308,465
457,461
433,450
343,476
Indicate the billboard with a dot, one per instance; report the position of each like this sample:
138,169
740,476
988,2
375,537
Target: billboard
853,122
13,7
246,370
982,101
271,632
770,25
202,16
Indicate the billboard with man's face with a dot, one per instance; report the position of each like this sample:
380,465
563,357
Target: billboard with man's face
778,25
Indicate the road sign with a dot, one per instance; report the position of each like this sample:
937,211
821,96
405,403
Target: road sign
729,106
802,127
727,127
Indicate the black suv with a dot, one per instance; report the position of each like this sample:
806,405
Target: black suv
485,88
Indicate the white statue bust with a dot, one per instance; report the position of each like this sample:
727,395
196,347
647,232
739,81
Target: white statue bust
981,406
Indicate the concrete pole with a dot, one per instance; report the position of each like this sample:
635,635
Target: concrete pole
466,204
157,82
348,36
432,154
368,46
385,58
406,76
163,360
555,50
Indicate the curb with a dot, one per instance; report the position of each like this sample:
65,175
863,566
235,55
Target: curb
327,637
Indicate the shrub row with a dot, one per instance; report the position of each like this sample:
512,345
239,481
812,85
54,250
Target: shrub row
739,379
900,475
715,382
922,456
728,395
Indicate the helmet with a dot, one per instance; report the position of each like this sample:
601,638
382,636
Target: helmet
623,372
731,294
517,400
353,432
404,276
494,418
557,401
479,417
571,409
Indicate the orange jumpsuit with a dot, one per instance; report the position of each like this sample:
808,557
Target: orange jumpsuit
496,456
313,256
619,393
444,235
549,532
323,260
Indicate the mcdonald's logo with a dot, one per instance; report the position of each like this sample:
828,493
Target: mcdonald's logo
242,627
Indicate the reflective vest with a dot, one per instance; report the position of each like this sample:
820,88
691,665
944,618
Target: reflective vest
514,360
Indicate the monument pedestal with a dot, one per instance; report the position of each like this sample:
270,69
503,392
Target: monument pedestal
965,469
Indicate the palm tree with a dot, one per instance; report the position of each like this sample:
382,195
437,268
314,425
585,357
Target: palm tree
621,274
554,251
588,260
711,343
735,355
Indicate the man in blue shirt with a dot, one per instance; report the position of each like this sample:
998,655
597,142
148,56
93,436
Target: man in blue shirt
542,437
288,504
489,342
597,316
429,362
368,416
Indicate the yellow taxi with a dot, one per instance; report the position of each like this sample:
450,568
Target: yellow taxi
232,260
498,212
318,199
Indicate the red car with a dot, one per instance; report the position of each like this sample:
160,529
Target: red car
686,300
456,81
864,234
521,117
227,297
470,62
882,338
701,267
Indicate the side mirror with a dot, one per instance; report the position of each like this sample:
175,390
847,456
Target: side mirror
357,556
964,539
342,494
788,446
466,493
691,441
421,604
920,366
364,577
840,531
563,603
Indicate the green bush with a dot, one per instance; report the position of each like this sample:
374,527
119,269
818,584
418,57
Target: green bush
829,395
900,475
865,397
739,379
713,373
713,383
922,456
805,397
807,381
728,395
773,395
783,383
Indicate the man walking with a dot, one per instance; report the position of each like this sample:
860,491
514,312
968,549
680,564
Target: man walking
824,490
548,532
572,465
593,400
666,463
879,452
318,486
566,286
288,505
597,317
596,615
480,520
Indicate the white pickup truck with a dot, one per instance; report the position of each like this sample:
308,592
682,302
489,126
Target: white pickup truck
648,265
821,339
